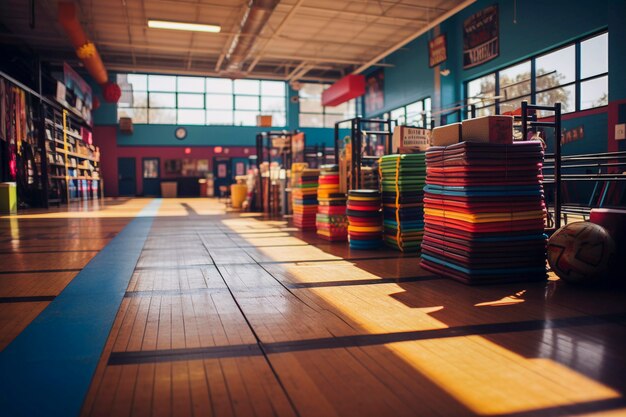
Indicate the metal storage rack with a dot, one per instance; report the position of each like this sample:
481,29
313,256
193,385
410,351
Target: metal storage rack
361,128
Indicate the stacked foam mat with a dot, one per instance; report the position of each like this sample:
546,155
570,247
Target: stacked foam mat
484,212
304,198
331,221
403,178
364,218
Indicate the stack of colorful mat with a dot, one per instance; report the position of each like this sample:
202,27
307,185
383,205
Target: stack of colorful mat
304,198
484,212
364,218
331,220
403,178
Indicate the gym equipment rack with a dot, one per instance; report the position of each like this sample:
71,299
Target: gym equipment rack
360,127
529,122
264,150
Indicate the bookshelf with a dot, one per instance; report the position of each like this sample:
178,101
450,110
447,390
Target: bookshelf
73,165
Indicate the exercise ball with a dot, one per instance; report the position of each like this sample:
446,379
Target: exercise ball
580,252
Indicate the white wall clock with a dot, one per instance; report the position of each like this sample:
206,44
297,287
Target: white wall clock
180,133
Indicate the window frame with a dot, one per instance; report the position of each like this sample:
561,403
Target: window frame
352,112
428,122
206,95
534,92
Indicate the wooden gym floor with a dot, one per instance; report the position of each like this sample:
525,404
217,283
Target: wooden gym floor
229,314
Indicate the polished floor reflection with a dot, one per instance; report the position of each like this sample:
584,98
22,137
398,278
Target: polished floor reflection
230,314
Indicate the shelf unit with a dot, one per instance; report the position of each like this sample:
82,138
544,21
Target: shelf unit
73,166
366,135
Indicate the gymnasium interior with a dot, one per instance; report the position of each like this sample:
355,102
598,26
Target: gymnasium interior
312,208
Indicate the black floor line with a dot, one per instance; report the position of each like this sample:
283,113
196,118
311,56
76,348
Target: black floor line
41,271
19,252
373,281
27,299
174,292
124,358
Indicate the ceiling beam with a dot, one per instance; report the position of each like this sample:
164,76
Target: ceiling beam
276,32
203,73
414,36
365,16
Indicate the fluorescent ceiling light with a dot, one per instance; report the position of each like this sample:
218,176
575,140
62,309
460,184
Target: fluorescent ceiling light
192,27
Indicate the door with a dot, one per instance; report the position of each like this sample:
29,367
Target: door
126,177
239,167
151,177
222,173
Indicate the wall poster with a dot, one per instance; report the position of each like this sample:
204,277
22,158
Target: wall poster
481,41
437,52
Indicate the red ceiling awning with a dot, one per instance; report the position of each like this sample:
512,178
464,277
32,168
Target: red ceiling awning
347,88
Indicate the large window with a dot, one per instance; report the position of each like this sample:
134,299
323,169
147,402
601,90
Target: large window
575,75
313,114
166,99
415,114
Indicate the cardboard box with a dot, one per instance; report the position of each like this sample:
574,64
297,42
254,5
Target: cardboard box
447,135
408,139
489,129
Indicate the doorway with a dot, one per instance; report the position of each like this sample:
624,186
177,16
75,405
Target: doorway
126,177
222,174
151,177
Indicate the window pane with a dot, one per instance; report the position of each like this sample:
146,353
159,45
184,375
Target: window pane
271,104
510,106
594,56
162,116
191,117
427,104
398,116
219,117
311,105
515,81
246,103
415,114
273,88
133,82
191,84
195,101
245,118
331,119
594,93
311,120
482,90
219,85
310,90
161,83
565,95
247,87
163,100
486,111
556,68
219,101
139,116
279,119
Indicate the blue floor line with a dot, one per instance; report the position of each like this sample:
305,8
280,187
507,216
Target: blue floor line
47,369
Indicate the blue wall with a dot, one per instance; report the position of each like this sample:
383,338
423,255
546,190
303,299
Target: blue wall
540,26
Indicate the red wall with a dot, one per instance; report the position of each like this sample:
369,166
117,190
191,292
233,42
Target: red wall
105,138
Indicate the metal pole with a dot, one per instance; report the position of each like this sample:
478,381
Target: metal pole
557,165
524,120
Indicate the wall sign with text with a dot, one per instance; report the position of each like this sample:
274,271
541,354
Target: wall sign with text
437,52
481,42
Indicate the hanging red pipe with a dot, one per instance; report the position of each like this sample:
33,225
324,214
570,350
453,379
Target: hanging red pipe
86,50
